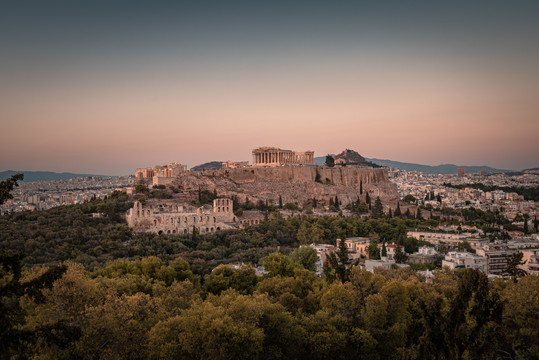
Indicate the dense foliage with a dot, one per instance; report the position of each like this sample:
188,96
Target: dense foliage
92,289
72,233
148,309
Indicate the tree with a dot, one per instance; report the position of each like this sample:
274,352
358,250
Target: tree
330,161
7,186
318,177
407,213
368,200
384,249
372,249
340,262
280,202
279,264
400,255
337,203
410,199
360,187
306,256
14,291
397,212
513,266
418,214
377,209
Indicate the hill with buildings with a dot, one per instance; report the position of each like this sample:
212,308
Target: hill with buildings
44,175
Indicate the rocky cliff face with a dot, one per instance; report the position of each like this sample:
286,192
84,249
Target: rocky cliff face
348,176
296,184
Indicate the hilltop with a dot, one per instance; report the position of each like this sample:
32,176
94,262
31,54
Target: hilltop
44,175
208,165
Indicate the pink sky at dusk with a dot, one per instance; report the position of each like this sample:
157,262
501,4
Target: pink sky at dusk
404,102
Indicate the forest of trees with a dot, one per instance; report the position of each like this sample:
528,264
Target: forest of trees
74,286
151,309
71,233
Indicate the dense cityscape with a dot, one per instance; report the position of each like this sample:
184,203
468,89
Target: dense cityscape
269,180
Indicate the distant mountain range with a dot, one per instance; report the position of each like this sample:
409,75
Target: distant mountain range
438,169
427,169
42,175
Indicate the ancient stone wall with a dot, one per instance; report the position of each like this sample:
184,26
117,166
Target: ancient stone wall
178,219
347,176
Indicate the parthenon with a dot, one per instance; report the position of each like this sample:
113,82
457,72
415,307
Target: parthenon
271,156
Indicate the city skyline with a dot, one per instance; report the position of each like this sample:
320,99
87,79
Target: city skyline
106,88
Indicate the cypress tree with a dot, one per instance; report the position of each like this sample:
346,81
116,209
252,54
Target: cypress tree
361,187
377,209
280,202
407,213
398,210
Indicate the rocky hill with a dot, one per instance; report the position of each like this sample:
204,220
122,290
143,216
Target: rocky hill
351,157
208,166
295,184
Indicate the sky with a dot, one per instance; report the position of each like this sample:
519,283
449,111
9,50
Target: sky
106,87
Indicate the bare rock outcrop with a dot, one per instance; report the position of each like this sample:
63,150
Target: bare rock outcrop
295,184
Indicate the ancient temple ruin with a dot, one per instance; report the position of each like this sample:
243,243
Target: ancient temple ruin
271,156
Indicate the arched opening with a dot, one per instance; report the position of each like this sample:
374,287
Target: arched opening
160,232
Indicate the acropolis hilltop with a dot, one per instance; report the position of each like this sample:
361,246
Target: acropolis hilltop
276,175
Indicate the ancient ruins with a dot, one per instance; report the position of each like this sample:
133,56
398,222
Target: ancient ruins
276,176
160,174
271,156
171,218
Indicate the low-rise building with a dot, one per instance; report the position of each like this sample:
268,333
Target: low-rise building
497,258
465,260
425,255
531,256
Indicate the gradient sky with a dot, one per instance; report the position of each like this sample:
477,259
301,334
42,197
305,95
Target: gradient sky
96,87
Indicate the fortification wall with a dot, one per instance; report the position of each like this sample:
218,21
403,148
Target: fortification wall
347,176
